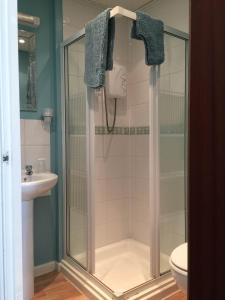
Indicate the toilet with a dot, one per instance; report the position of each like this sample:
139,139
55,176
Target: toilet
179,268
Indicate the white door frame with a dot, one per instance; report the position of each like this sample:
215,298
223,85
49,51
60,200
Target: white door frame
10,172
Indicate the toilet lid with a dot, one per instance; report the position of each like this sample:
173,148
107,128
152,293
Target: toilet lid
179,257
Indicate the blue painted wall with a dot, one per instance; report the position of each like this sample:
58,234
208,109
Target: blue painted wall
23,74
57,136
44,54
49,36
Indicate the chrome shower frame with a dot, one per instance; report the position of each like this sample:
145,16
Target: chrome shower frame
154,289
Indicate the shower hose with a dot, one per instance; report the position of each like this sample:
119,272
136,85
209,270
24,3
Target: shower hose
109,128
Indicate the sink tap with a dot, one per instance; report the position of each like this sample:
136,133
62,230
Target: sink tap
28,170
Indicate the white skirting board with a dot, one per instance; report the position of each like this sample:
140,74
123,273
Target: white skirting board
46,268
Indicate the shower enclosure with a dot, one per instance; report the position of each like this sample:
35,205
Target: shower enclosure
125,191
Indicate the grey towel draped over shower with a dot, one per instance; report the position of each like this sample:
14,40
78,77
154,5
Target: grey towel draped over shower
99,43
151,31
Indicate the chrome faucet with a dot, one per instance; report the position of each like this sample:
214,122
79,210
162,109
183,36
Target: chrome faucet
28,170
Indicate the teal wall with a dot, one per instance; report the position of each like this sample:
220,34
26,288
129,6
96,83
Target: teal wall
58,127
23,75
44,54
49,35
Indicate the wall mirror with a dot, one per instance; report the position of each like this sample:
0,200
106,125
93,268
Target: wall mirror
27,70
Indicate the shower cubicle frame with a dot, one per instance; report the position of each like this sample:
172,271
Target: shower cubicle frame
161,284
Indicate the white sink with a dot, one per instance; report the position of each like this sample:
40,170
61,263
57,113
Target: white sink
32,186
37,184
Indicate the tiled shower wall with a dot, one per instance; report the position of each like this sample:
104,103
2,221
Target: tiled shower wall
112,160
122,159
122,209
138,99
35,143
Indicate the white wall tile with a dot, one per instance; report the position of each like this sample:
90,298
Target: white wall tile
140,115
35,141
116,145
138,93
22,157
165,82
117,231
141,210
117,167
100,213
101,235
122,33
100,168
22,132
32,153
141,188
169,239
171,153
141,232
99,145
75,58
168,12
141,168
111,145
142,145
172,194
178,82
100,190
117,209
138,71
35,134
117,188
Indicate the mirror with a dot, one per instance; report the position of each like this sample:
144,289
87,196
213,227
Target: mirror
27,70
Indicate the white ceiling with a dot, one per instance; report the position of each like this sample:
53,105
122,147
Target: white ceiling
129,4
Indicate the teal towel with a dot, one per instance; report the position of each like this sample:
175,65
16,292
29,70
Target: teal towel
151,31
99,42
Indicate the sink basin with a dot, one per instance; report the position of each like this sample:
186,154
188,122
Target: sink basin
32,186
37,184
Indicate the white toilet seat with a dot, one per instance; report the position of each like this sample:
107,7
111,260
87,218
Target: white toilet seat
178,263
178,270
178,259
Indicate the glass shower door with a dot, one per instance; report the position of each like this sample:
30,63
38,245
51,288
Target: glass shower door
122,164
172,134
76,153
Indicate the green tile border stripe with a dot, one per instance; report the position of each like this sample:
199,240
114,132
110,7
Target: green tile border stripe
141,130
102,130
